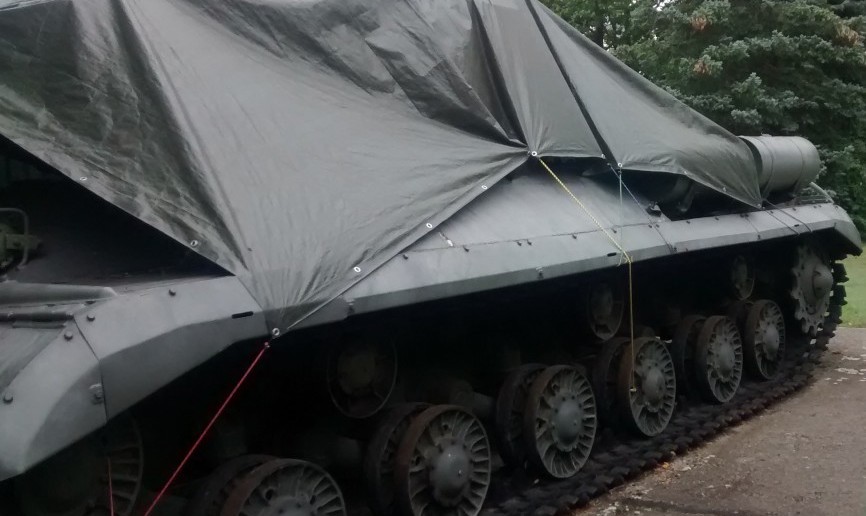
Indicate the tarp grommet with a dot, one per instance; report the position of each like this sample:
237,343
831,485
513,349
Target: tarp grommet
484,187
193,243
533,154
429,226
275,332
357,269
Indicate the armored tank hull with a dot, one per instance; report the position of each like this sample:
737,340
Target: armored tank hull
317,258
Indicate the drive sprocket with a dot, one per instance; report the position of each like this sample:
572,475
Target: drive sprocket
811,287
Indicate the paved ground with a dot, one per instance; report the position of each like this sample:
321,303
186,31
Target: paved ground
805,456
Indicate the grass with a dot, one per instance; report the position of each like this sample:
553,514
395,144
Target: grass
854,313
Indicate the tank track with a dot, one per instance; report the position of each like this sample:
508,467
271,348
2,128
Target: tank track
617,459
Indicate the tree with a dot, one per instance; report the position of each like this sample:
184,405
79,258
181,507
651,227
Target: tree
778,67
607,22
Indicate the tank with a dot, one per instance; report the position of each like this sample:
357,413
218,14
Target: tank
391,258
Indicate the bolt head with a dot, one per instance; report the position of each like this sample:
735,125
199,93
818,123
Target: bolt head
68,335
96,393
91,317
8,397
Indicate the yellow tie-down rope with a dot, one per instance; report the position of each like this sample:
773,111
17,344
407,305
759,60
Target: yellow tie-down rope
625,255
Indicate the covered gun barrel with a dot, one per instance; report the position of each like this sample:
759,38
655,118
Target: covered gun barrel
785,163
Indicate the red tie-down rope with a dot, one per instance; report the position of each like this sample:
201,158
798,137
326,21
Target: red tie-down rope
110,489
217,414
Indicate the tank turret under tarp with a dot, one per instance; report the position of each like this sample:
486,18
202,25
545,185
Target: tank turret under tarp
432,209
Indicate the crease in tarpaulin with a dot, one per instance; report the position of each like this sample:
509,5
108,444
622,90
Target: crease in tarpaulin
539,99
727,173
607,153
508,106
442,59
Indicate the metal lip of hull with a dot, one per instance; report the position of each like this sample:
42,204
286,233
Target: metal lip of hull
435,273
100,360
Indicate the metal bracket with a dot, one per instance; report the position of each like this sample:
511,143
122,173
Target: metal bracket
11,241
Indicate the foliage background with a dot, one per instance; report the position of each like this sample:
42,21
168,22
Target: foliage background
779,67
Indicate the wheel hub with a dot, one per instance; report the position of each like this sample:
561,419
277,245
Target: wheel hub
567,423
725,359
653,387
771,340
450,473
822,281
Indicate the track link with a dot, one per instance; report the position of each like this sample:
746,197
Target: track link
616,460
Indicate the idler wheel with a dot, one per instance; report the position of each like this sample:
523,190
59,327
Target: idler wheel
646,386
560,421
361,376
443,464
683,351
718,359
605,377
381,454
764,339
605,307
76,481
812,288
213,493
285,487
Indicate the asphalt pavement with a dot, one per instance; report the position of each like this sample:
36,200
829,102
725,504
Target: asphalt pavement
803,456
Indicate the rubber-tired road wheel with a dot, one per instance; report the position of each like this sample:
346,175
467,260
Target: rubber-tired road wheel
509,410
381,455
285,487
560,422
764,339
718,359
443,464
646,387
213,493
